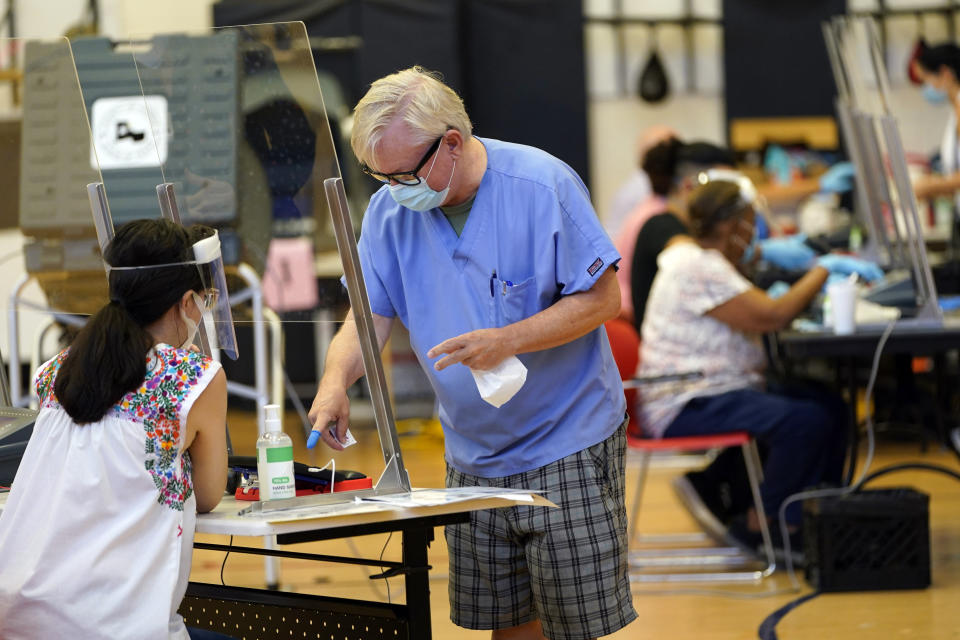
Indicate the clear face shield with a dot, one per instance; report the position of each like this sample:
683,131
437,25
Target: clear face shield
213,299
748,191
749,199
217,317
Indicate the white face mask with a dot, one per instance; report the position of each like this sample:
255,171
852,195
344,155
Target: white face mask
420,197
191,325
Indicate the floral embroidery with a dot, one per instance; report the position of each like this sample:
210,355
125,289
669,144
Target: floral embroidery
157,405
46,378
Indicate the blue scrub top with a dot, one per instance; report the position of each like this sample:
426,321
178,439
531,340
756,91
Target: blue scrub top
531,237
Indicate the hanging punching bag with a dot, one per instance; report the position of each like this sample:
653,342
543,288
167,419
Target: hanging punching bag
653,85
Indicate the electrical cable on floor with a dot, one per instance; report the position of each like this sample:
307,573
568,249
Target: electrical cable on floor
842,491
768,628
224,563
907,466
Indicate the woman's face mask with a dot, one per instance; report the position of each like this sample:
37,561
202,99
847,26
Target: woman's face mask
749,249
420,197
933,95
192,326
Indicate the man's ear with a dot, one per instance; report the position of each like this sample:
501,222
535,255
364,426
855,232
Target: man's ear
454,142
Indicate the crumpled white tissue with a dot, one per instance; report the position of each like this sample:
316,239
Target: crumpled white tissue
501,383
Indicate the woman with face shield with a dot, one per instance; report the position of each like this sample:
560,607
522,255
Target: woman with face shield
672,167
705,317
130,443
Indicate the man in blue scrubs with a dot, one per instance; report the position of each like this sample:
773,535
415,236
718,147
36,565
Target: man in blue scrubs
487,250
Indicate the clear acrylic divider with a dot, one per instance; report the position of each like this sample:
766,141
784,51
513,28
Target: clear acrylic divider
251,150
54,278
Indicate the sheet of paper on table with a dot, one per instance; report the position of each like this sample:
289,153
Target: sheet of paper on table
433,497
416,499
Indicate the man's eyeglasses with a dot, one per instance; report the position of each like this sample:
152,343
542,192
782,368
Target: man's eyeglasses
409,178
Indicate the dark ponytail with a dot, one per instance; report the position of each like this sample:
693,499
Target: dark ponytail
660,165
672,160
108,358
942,55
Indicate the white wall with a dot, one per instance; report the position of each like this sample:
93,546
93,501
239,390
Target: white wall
119,18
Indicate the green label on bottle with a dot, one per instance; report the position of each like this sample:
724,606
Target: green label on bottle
281,480
280,454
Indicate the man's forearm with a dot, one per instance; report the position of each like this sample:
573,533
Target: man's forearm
566,320
344,363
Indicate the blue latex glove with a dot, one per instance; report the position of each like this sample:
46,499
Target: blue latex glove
790,252
777,163
313,439
845,265
777,289
838,178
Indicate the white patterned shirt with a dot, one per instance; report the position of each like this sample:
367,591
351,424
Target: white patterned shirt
679,336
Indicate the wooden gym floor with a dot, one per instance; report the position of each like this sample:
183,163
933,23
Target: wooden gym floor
727,612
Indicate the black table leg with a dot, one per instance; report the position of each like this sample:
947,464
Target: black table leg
415,543
943,398
854,427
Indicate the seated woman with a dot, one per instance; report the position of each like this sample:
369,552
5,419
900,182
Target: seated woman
97,534
704,316
672,167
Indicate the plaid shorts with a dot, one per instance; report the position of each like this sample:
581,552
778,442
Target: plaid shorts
565,566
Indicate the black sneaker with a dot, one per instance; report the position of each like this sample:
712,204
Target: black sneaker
704,505
739,535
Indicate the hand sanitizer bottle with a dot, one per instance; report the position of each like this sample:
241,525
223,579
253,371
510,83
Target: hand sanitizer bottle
275,458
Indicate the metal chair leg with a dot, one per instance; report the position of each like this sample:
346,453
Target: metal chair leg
754,471
728,564
637,499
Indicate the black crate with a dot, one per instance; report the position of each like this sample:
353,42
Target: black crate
868,540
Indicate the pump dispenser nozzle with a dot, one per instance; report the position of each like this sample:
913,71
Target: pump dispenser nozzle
271,416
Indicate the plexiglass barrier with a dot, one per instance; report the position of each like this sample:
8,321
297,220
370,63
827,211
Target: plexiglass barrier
887,201
239,123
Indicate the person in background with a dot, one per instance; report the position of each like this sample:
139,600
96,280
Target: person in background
96,536
636,188
490,252
938,68
703,316
673,167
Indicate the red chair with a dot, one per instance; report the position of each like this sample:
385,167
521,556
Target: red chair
625,344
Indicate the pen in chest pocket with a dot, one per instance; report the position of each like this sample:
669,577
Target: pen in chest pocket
504,284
